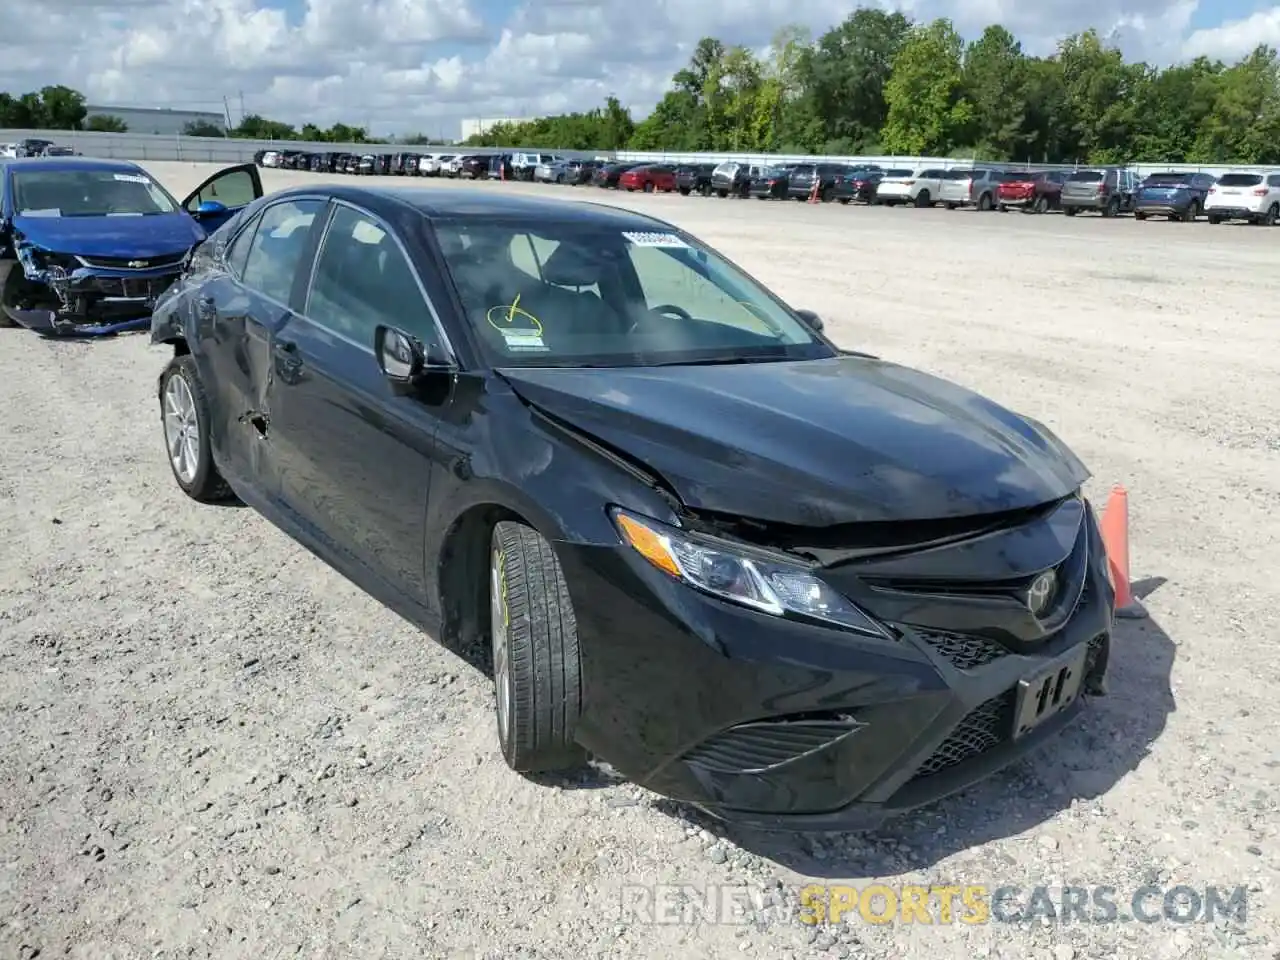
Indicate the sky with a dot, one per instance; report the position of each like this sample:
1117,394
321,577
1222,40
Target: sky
424,66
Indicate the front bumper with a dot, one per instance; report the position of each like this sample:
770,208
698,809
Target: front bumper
781,724
89,300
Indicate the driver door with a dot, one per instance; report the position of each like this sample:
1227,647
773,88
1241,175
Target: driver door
232,189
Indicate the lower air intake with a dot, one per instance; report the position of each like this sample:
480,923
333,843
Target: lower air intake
986,726
761,746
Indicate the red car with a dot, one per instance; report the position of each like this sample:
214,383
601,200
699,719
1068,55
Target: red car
649,179
1034,192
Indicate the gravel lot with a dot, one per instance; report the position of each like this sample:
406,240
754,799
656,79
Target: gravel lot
214,746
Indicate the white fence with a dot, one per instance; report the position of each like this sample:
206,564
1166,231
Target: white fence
145,146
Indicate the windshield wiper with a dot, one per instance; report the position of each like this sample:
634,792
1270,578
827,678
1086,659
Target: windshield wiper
722,361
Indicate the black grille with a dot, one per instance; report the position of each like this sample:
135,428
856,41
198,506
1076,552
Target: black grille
983,728
962,651
139,289
132,263
756,747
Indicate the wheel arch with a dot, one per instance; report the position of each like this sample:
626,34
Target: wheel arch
462,581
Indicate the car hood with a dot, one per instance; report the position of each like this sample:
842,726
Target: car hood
813,443
141,237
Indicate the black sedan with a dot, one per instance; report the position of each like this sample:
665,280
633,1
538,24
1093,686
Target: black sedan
794,585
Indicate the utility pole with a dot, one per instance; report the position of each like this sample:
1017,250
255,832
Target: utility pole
242,109
226,112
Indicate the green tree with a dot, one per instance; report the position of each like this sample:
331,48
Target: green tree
64,108
1243,124
996,83
846,74
105,123
203,128
928,111
256,127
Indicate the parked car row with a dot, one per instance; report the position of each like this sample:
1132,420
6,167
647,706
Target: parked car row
32,147
1107,191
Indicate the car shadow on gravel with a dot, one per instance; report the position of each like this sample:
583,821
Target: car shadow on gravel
1109,741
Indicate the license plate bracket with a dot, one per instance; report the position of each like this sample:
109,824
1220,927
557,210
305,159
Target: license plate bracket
1050,691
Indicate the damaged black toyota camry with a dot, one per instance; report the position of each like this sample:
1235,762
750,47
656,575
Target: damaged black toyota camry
796,586
87,245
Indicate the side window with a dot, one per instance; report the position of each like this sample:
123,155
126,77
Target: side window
1273,180
363,280
277,247
238,251
231,190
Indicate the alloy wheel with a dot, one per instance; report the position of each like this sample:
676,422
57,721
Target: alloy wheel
499,630
181,428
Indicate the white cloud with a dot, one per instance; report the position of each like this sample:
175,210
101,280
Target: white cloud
1236,37
401,65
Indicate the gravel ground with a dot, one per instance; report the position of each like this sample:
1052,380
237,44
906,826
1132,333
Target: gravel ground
214,746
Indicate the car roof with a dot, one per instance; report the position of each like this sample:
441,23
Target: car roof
445,203
71,164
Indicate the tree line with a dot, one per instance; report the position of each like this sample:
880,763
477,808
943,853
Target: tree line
878,83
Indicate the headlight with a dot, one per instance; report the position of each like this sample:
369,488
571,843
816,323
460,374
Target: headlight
721,570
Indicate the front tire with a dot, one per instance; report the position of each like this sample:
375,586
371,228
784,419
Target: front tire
184,416
536,663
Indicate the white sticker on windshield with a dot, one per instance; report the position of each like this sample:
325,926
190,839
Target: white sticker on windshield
655,240
131,178
527,341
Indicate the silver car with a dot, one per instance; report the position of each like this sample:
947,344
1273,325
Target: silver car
970,187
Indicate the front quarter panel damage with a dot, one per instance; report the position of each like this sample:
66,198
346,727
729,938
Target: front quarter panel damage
57,295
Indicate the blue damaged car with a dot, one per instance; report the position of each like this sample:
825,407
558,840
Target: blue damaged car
87,245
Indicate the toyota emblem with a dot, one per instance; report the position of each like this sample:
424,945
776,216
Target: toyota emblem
137,264
1040,593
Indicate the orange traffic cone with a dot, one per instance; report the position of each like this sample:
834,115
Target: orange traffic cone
1115,539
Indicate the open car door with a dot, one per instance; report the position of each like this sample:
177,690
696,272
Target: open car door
223,195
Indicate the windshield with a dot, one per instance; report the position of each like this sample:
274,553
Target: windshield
1086,176
88,193
568,294
1240,180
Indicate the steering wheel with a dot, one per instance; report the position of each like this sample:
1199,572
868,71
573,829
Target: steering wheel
664,311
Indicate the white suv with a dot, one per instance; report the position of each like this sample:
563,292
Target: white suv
1244,196
920,187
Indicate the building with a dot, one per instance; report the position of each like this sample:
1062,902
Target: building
472,128
159,120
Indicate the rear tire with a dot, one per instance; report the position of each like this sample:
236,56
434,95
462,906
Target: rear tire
1070,211
923,199
1041,205
1193,212
1111,209
949,206
984,203
183,403
1271,216
648,188
1214,218
1139,215
537,666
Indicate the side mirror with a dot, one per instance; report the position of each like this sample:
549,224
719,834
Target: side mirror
811,319
403,360
209,207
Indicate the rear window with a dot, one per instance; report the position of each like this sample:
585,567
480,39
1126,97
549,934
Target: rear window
1086,176
1158,178
956,174
1240,180
897,173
